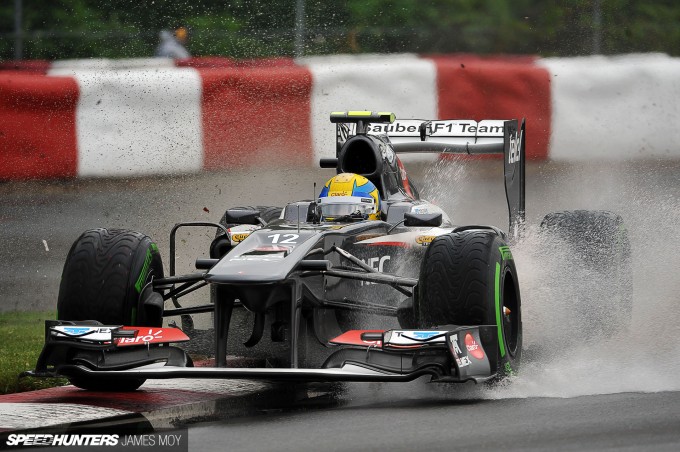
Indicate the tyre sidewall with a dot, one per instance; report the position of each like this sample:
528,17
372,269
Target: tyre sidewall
502,271
141,275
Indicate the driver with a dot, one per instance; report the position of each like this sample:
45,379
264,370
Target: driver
349,197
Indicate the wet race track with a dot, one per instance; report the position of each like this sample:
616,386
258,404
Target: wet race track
573,392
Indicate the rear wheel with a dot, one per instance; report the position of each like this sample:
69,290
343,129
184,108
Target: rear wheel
105,278
468,278
597,283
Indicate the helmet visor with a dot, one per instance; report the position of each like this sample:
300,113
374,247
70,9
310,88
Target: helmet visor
335,207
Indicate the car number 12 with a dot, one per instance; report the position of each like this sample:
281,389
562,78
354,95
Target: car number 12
286,238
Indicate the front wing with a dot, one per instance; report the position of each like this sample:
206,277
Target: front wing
446,354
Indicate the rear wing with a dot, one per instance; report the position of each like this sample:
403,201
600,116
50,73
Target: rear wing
506,137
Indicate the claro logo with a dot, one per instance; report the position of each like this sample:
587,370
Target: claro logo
141,339
473,347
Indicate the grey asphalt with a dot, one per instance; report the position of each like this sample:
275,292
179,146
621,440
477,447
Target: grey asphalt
626,421
592,394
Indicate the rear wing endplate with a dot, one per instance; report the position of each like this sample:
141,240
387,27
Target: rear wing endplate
506,137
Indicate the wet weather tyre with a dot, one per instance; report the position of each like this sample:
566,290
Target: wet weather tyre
468,278
594,244
104,275
105,279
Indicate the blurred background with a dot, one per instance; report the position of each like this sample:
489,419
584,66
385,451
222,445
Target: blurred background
61,29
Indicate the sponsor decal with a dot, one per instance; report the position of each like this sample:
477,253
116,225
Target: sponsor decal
461,361
465,128
422,334
340,193
77,331
83,333
419,210
454,343
479,129
425,239
376,263
343,132
404,178
457,128
152,336
505,252
473,347
514,154
387,153
239,237
394,128
409,338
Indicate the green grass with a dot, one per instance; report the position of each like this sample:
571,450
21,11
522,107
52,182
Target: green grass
22,335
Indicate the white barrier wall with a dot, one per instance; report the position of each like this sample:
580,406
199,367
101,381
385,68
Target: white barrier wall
138,121
402,83
107,118
614,108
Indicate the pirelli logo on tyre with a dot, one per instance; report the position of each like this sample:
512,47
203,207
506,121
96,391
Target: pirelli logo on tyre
505,252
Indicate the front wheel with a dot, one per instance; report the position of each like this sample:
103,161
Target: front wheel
469,278
105,278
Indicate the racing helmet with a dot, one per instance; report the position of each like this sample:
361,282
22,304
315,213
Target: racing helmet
349,196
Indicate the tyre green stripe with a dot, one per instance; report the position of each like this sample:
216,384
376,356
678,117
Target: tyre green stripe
145,271
499,321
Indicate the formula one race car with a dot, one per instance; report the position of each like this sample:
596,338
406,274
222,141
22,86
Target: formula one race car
368,282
